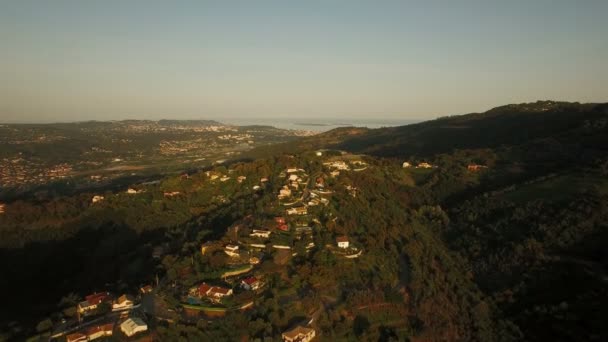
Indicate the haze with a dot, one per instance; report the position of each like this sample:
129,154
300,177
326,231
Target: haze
83,60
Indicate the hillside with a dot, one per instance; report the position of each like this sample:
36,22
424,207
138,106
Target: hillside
494,230
507,125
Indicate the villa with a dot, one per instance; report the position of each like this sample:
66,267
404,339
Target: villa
342,241
299,334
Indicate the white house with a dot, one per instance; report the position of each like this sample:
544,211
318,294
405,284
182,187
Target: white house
97,198
297,211
299,334
342,241
284,193
251,283
406,165
232,250
260,233
123,302
133,326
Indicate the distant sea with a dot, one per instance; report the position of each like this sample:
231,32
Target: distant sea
318,125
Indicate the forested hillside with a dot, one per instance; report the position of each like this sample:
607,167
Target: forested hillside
482,227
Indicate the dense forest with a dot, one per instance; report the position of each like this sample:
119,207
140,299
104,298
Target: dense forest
512,250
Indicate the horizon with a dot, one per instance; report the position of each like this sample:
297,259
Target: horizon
71,61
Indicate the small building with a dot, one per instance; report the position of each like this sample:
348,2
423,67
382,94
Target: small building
131,191
475,167
263,180
171,193
216,292
319,153
232,250
256,187
342,241
146,289
424,166
97,199
240,179
225,178
406,165
251,283
291,170
123,302
335,173
293,178
76,337
100,331
299,334
284,193
133,326
297,211
2,208
260,233
92,301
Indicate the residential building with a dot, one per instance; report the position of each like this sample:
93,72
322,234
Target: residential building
97,199
123,302
476,167
133,326
299,334
92,301
251,284
260,233
146,289
342,241
292,170
171,194
2,208
297,211
293,178
284,193
406,165
225,178
76,337
100,331
132,191
263,180
256,187
424,166
240,179
217,292
232,250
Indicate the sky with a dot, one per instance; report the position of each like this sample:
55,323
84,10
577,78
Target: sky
107,60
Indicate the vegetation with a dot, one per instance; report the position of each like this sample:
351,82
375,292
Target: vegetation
509,251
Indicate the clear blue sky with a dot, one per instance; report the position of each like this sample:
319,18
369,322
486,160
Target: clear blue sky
81,60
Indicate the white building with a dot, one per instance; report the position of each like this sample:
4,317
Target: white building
232,250
123,302
406,165
342,241
133,326
299,334
260,233
97,199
